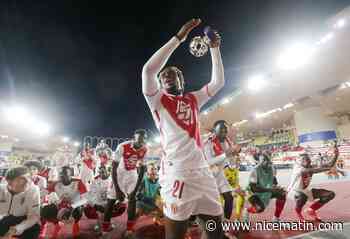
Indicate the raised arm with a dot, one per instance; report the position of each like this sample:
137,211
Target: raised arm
159,59
217,75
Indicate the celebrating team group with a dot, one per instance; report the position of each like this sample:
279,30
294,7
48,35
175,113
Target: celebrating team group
195,181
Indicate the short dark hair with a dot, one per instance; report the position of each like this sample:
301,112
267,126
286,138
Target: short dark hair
141,132
220,122
67,168
15,172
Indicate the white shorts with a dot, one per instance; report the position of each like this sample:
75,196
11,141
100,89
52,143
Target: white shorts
126,182
192,193
222,183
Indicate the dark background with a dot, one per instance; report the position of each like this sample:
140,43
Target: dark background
78,64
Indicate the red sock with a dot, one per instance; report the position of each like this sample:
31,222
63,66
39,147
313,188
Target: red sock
279,207
316,205
75,229
106,226
251,209
130,225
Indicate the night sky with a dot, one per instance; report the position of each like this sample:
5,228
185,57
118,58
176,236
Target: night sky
78,63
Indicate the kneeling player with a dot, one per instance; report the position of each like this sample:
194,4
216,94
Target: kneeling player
300,186
263,186
125,178
148,199
65,201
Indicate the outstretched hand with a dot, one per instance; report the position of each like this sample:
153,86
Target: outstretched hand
187,28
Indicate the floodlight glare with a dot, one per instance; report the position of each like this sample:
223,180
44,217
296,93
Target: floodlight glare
256,83
340,23
157,139
295,56
66,139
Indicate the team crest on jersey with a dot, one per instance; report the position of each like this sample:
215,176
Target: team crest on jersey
184,112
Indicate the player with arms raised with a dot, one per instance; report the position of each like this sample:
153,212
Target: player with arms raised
187,186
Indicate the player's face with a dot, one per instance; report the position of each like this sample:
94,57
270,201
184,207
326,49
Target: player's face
140,140
266,162
33,170
103,173
221,131
66,177
306,161
18,184
152,172
171,81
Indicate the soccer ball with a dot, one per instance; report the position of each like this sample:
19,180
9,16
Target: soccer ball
198,47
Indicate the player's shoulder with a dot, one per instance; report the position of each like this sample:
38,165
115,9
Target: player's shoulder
125,143
76,180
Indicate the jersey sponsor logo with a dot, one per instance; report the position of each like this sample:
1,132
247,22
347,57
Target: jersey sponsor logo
184,112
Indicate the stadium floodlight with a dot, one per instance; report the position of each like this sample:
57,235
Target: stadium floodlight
41,128
340,23
16,114
65,139
225,101
239,123
76,144
4,136
256,83
294,56
288,106
157,139
327,37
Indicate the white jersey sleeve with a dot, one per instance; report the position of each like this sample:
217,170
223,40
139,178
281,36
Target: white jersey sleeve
217,79
211,158
150,84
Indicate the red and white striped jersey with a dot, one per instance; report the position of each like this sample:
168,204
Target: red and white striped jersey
177,118
129,157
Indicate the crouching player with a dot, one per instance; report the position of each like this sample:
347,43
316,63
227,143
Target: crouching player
66,198
263,187
300,186
97,199
19,205
127,175
148,199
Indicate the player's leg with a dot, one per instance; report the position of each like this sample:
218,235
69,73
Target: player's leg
256,205
49,213
239,203
280,202
300,200
175,229
132,201
77,213
228,204
108,212
324,197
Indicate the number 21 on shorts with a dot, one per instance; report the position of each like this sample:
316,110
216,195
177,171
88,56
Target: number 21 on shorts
177,189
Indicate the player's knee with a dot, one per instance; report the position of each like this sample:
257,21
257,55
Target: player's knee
77,214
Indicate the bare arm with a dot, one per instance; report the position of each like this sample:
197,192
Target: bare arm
326,167
217,76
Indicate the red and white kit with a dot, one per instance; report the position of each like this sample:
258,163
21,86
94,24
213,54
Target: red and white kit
72,195
97,194
217,159
42,184
128,158
300,182
87,166
186,182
